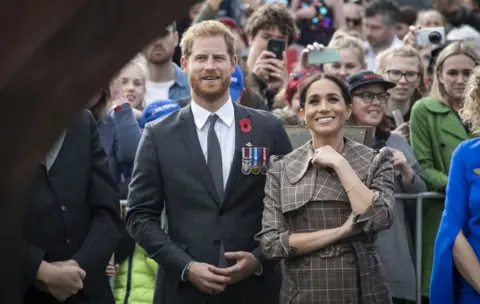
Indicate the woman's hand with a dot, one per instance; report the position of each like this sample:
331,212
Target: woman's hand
411,37
118,102
400,163
326,156
304,56
403,130
349,228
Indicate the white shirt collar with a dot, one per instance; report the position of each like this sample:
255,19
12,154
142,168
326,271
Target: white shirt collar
200,115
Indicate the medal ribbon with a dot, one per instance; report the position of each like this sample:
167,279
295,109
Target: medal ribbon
256,156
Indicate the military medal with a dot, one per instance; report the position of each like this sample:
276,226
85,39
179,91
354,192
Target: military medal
246,160
256,161
264,159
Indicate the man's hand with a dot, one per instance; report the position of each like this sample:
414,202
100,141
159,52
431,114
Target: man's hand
247,264
65,263
271,69
60,282
202,276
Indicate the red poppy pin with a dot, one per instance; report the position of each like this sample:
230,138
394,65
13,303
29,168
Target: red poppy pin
245,125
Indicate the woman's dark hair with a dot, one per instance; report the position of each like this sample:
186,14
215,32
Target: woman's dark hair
312,79
98,109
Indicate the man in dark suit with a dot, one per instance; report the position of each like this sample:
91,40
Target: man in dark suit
72,222
191,164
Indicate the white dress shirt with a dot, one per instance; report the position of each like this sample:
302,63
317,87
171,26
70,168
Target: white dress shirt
224,128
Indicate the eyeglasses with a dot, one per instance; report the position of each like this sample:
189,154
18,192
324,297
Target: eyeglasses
368,97
396,75
354,21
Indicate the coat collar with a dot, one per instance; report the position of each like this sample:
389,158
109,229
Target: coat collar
436,106
300,160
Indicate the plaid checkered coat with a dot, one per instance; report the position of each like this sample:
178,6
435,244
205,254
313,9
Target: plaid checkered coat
300,198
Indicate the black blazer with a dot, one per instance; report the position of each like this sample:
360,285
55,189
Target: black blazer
72,212
170,172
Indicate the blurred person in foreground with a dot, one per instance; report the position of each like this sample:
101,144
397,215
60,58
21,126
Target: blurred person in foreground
205,165
72,221
456,266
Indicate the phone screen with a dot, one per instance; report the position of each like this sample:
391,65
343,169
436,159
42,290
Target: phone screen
323,56
277,47
398,117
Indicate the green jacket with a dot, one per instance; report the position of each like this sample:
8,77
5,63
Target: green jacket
135,281
435,132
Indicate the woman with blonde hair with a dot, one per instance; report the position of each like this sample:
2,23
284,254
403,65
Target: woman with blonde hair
456,268
352,56
403,66
436,130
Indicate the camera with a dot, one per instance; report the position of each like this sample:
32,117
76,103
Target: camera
431,36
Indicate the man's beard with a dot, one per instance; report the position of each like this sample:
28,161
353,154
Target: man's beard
159,60
209,95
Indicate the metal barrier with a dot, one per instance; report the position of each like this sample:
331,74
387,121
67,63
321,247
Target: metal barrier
418,197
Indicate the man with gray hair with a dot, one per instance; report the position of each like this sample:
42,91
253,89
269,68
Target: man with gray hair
381,17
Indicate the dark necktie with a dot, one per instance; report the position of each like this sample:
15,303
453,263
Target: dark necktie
214,160
214,157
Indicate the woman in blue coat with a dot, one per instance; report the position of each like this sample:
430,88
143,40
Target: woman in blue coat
456,265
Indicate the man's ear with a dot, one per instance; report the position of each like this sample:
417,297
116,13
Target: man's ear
184,63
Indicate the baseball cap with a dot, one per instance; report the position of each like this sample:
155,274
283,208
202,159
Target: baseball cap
156,110
365,77
237,84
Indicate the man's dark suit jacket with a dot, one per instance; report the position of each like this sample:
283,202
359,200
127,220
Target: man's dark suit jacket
170,172
73,212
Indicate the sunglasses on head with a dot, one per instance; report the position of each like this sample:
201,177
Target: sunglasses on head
357,2
354,21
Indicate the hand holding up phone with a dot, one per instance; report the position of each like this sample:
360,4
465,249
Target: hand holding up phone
309,48
272,69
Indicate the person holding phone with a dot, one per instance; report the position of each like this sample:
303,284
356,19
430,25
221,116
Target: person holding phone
401,65
266,68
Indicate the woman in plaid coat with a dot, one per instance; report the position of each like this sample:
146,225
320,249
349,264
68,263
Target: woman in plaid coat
324,204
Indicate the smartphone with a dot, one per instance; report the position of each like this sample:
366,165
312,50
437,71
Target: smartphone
323,56
398,117
277,47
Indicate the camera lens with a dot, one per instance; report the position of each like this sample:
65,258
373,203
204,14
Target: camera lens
435,37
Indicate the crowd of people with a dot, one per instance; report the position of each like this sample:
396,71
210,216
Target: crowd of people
221,208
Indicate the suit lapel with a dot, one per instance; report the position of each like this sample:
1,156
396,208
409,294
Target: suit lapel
190,139
241,140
